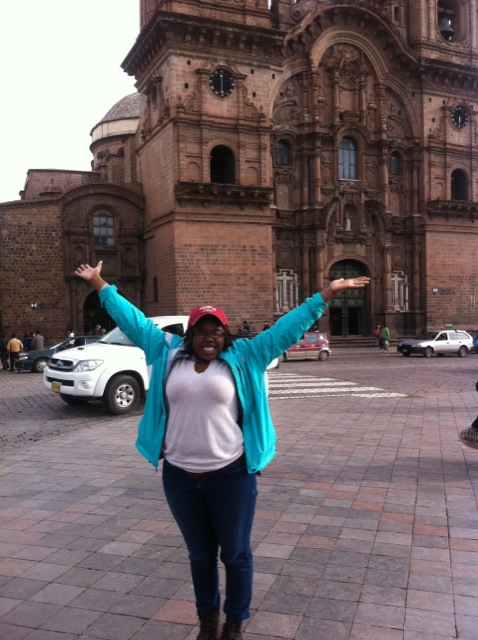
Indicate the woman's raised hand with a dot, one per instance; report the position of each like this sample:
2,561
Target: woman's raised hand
349,283
86,272
91,274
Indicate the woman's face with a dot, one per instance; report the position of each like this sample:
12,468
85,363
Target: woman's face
208,339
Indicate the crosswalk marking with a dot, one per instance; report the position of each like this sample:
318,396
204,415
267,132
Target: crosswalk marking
292,385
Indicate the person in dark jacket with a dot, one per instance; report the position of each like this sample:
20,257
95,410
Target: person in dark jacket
4,352
38,341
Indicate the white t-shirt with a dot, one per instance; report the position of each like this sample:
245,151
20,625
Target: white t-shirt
202,431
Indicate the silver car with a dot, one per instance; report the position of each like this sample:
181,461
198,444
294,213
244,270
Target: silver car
447,341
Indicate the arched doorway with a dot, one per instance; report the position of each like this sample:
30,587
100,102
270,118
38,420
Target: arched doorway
94,313
348,309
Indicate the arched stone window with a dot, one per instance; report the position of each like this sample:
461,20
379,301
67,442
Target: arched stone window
103,228
448,20
223,170
283,152
395,164
459,185
347,159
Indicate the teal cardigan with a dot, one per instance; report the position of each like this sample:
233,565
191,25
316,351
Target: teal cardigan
247,358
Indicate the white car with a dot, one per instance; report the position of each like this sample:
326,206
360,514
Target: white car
441,342
113,369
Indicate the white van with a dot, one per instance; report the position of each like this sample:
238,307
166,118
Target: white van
113,369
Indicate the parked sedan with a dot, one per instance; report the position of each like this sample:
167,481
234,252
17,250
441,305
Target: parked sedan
312,346
449,341
36,361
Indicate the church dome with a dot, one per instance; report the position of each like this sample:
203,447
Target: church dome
121,119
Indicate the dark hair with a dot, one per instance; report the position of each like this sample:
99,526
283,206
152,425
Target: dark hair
189,335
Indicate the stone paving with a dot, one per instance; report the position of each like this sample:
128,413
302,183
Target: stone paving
366,526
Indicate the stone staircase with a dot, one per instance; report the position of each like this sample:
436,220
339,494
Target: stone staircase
360,341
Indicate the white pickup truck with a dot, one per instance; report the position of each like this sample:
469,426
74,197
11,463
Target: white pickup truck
113,369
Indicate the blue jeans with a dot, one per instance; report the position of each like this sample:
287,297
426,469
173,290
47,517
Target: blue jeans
212,512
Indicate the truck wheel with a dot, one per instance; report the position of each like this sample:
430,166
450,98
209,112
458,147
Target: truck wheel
122,395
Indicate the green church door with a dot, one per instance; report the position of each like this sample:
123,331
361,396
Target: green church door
348,309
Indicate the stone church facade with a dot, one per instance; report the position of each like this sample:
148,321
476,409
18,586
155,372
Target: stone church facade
269,149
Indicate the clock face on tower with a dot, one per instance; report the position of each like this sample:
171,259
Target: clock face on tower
221,82
459,117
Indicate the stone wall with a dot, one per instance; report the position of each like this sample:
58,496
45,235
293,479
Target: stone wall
451,269
32,264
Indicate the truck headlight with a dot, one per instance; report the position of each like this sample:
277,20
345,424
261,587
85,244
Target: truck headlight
88,365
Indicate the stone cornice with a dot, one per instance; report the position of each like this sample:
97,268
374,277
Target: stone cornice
208,193
450,75
103,189
60,200
168,29
453,209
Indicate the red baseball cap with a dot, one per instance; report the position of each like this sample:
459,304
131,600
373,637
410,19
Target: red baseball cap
207,310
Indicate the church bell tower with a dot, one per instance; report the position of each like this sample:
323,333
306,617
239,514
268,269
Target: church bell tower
204,71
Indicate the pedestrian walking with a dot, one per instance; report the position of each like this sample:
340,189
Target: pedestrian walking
384,338
207,416
376,335
14,347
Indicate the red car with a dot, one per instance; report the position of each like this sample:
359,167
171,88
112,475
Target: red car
312,346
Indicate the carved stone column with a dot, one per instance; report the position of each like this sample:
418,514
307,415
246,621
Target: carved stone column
319,262
416,280
336,96
387,278
306,270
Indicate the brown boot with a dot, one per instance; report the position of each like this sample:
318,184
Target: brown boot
232,630
209,626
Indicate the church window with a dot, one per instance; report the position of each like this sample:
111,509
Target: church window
459,185
395,164
347,159
103,228
283,152
222,165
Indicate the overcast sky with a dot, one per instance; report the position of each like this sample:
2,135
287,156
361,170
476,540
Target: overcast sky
61,73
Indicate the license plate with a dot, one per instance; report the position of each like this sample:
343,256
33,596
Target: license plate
56,386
